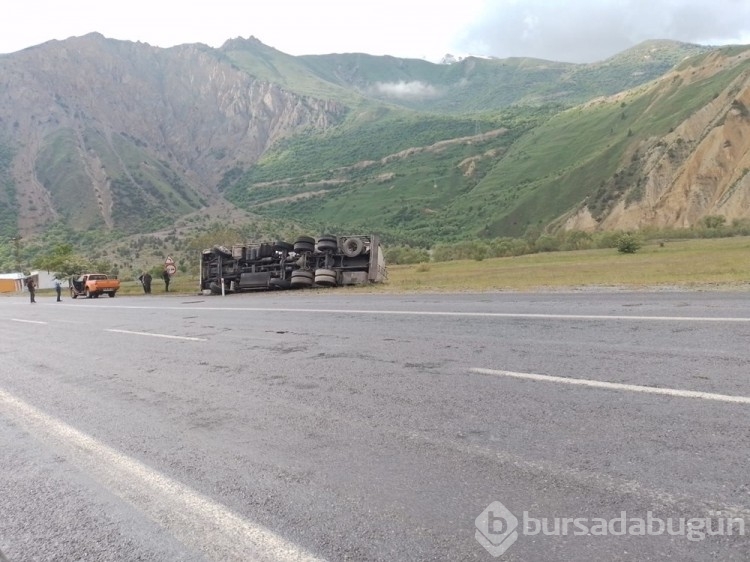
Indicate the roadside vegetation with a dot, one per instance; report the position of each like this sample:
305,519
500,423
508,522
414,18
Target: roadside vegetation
685,264
535,241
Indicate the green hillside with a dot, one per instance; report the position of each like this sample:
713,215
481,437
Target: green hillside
483,84
417,179
398,174
576,154
147,193
8,203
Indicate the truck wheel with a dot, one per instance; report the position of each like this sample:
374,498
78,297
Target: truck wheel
111,295
327,243
73,294
301,278
325,277
304,244
352,247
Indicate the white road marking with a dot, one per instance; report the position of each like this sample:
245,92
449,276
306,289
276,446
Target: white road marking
530,316
618,386
155,335
28,321
190,516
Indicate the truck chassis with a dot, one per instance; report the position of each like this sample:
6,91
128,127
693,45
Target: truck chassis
327,261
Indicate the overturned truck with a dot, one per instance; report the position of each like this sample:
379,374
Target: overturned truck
327,261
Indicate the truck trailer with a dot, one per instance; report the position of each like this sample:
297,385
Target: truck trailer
327,261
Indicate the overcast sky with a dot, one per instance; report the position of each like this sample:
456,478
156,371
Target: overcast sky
561,30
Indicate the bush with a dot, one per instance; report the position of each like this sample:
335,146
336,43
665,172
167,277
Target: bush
546,243
406,255
628,244
714,221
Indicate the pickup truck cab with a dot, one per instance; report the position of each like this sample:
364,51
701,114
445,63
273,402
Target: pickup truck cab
92,285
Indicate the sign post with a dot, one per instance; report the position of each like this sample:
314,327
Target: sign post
169,266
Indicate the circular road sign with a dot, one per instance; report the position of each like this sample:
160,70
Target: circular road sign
171,269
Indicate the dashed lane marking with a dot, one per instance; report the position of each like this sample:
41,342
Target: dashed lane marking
168,336
617,386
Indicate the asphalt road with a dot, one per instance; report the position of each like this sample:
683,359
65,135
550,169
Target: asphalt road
334,426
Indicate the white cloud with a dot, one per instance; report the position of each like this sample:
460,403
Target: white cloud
406,89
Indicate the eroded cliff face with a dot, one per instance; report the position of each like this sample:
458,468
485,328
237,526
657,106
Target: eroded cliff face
139,126
699,169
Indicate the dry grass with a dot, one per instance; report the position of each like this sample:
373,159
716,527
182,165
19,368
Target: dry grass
697,264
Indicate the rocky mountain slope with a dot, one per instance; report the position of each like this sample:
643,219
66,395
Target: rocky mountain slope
109,133
699,168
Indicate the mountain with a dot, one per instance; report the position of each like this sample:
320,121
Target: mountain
110,134
115,136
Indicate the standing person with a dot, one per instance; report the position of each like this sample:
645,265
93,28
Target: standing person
31,287
145,279
58,289
147,283
166,278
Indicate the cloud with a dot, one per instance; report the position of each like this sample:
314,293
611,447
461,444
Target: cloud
406,89
592,30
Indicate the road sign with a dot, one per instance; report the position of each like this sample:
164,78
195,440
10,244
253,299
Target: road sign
171,269
169,261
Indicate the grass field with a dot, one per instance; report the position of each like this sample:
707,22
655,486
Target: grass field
688,264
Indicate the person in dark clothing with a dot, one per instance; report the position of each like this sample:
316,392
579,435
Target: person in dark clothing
145,280
31,287
166,278
58,289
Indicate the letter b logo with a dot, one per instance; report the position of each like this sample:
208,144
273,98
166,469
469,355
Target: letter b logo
496,529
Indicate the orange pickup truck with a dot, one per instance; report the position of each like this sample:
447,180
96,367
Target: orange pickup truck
93,285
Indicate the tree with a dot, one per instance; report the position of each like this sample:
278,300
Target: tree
62,261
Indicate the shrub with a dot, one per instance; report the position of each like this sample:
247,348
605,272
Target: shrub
628,244
406,255
714,221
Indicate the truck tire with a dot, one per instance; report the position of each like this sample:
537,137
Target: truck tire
304,244
73,294
112,295
301,278
325,277
327,244
352,247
